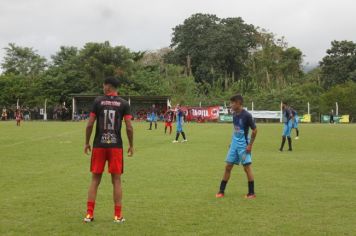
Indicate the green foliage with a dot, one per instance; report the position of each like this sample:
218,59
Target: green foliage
345,95
217,47
274,65
22,61
209,60
339,65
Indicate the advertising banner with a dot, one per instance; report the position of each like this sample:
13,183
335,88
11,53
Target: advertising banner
202,113
337,119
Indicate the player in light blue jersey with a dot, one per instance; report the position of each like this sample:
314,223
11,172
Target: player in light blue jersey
152,116
241,146
295,122
287,120
180,117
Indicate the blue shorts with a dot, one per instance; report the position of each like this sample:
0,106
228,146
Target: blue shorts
153,118
179,128
237,154
295,123
287,129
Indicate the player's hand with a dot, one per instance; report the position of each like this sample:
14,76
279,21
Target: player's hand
87,149
130,151
249,148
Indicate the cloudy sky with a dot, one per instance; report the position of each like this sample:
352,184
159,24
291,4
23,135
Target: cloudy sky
45,25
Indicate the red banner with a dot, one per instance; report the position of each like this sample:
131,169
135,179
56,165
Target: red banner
201,114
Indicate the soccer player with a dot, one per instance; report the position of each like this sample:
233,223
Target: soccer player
295,122
180,116
18,117
108,111
168,117
4,114
287,120
332,117
153,116
241,146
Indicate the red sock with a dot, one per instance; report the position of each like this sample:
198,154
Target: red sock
90,207
118,210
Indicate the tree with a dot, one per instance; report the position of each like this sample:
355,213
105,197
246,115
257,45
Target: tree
274,64
339,65
344,95
23,61
212,47
99,60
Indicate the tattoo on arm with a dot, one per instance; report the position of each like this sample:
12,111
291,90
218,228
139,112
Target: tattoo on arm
253,136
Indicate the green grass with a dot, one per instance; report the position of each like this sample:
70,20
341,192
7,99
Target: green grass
169,189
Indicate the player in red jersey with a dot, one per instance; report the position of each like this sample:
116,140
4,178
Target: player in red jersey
108,111
168,117
18,117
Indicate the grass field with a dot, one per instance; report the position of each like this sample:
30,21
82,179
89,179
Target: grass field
169,189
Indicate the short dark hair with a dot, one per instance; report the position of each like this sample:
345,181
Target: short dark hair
285,102
237,97
112,81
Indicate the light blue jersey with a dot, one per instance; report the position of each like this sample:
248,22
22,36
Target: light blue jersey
295,119
287,122
180,120
237,153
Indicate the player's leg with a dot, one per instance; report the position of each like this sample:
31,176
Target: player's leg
179,130
177,137
225,179
289,143
284,136
288,134
246,161
166,127
296,129
170,128
98,160
283,142
116,167
92,192
231,159
184,137
150,125
117,196
251,182
155,124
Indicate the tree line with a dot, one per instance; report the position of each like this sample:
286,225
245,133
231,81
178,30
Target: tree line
209,59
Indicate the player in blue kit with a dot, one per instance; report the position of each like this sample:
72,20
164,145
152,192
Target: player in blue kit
295,121
240,147
287,120
153,116
180,117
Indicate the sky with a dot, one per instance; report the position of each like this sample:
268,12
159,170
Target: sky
45,25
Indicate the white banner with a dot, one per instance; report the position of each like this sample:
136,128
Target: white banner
266,114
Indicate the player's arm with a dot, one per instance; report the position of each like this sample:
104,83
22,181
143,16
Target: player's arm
252,125
252,140
129,129
129,132
88,131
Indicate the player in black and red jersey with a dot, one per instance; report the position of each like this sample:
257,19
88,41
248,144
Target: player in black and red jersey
168,118
108,111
